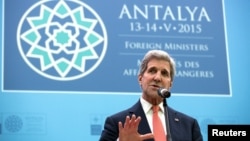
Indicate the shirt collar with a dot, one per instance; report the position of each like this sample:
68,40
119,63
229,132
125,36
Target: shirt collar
147,106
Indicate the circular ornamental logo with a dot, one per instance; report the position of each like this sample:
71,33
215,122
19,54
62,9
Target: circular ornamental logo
13,123
62,40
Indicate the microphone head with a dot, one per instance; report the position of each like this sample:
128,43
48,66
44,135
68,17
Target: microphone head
164,93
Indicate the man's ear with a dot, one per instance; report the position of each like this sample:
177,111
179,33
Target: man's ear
139,79
171,84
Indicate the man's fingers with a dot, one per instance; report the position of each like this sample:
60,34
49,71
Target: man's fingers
129,130
120,126
130,122
137,121
147,136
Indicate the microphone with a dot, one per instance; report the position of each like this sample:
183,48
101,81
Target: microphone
164,93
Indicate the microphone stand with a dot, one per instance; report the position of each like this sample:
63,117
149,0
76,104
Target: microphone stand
169,137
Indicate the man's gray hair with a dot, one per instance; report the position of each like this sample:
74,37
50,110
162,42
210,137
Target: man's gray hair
158,54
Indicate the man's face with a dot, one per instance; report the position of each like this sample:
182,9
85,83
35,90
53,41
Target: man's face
157,75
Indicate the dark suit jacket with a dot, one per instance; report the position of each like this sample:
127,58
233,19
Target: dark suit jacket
182,126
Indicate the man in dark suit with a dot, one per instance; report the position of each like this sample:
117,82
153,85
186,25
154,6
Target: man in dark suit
157,71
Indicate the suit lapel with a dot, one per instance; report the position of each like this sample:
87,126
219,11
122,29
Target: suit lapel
174,123
138,111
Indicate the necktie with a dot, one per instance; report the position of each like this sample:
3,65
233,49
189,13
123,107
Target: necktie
159,133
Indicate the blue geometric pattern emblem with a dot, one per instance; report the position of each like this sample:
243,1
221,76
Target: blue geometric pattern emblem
62,40
13,123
